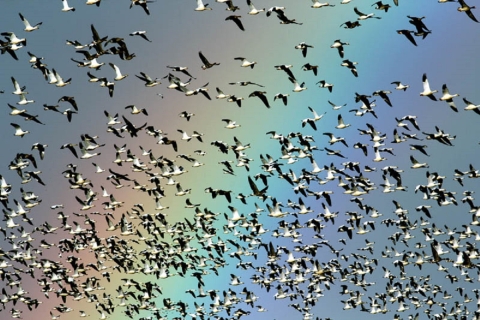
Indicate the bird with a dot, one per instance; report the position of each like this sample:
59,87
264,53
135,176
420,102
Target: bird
471,106
308,67
350,65
18,90
237,21
381,6
282,96
467,9
253,10
324,84
201,6
338,44
341,124
28,26
149,82
118,75
231,124
447,97
246,63
18,130
136,110
60,82
66,7
400,86
70,100
303,46
142,34
297,87
317,4
206,64
350,24
427,92
261,96
363,16
408,35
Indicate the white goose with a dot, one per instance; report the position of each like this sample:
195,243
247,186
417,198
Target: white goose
66,7
201,6
297,87
18,89
118,75
471,106
24,101
449,97
427,92
28,26
317,4
60,82
18,131
253,10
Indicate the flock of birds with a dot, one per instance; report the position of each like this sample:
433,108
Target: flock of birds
109,237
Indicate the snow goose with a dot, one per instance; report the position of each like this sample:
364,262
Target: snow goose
28,26
66,7
317,4
60,82
18,131
253,10
427,92
245,62
449,97
118,75
201,6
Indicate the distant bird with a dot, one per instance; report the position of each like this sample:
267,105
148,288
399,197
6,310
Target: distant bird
142,4
28,26
381,6
350,65
246,63
408,35
427,92
60,82
181,69
287,70
303,46
282,96
142,34
350,24
135,110
308,67
324,84
66,7
18,90
317,4
149,82
237,21
201,6
467,9
400,86
363,16
261,96
70,100
297,87
118,75
18,130
253,10
447,97
206,64
338,44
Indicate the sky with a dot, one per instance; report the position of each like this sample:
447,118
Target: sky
176,33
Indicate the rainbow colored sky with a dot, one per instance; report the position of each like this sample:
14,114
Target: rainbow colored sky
448,55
